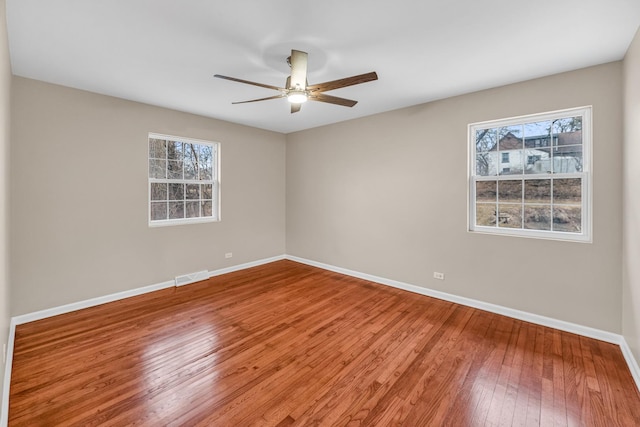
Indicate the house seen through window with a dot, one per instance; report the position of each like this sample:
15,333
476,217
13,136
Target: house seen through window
183,180
530,176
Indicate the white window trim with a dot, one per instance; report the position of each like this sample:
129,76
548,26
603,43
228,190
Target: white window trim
216,192
587,176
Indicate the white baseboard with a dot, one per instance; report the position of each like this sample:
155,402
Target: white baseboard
631,361
4,406
67,308
246,265
493,308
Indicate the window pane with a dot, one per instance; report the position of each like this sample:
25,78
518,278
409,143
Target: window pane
206,159
157,148
511,162
567,125
207,209
509,216
487,163
567,151
537,191
158,211
510,191
537,147
537,160
176,191
207,191
176,210
486,191
537,217
192,209
510,138
190,161
510,146
206,173
486,139
567,190
567,218
192,191
174,151
486,214
174,170
158,191
157,169
567,159
536,134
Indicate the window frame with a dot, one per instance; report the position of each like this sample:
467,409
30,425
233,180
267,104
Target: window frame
214,181
586,175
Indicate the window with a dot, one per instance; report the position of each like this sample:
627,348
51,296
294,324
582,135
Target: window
545,191
183,180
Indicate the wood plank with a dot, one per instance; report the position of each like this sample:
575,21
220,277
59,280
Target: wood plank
285,344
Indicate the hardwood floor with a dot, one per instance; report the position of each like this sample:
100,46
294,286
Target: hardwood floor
288,344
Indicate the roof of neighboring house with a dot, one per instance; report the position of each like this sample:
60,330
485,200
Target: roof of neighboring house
566,142
510,142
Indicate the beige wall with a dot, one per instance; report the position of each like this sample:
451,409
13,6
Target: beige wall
387,195
631,214
5,86
79,197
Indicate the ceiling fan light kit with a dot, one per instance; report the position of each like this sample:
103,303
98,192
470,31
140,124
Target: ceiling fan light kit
298,91
297,96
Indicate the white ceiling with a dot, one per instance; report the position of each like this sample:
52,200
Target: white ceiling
165,52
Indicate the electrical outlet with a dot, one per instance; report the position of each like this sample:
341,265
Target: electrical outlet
228,255
437,275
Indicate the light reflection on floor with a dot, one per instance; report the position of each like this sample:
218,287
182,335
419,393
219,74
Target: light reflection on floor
175,359
491,402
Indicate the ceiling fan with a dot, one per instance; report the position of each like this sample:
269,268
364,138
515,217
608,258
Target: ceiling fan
298,91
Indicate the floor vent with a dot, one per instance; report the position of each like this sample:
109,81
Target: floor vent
186,279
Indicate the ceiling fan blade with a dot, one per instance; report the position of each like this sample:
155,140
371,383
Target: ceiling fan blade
233,79
332,99
295,108
261,99
298,70
340,83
